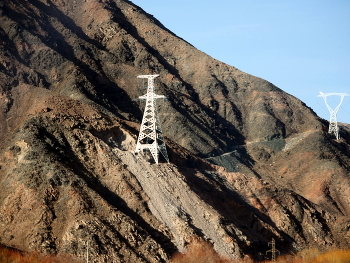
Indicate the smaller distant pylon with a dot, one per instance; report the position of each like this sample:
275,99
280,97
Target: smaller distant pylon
151,135
333,124
273,250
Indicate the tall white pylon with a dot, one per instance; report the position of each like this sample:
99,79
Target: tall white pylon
333,125
151,135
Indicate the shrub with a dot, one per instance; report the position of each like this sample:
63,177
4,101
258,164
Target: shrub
333,256
10,255
199,251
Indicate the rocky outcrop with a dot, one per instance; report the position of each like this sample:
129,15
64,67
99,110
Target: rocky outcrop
248,162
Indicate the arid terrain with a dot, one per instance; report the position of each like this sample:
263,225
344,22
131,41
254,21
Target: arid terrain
248,162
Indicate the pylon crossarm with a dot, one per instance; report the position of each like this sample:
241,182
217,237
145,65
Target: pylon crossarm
331,94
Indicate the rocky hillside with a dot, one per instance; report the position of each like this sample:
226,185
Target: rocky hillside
248,162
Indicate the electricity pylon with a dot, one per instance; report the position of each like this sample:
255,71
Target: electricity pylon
273,250
333,124
151,135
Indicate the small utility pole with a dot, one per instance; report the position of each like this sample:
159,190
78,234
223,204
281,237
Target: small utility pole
273,250
87,251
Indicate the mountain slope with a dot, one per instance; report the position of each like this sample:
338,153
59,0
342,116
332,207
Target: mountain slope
249,162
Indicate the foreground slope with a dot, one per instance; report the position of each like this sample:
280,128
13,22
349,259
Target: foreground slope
248,161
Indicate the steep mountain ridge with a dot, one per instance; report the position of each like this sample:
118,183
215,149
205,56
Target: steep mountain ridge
248,161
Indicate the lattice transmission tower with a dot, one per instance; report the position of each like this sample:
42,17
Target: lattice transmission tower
151,136
333,124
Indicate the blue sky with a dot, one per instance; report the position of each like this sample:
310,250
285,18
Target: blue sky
302,47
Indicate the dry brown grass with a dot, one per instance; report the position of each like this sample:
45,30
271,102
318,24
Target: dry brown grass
333,256
8,255
315,256
199,251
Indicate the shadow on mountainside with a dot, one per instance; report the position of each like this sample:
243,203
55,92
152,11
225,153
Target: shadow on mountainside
99,88
117,202
238,213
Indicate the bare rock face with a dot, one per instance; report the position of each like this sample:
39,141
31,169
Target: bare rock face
248,162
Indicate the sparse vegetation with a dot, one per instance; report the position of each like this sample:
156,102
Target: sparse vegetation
9,255
199,251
